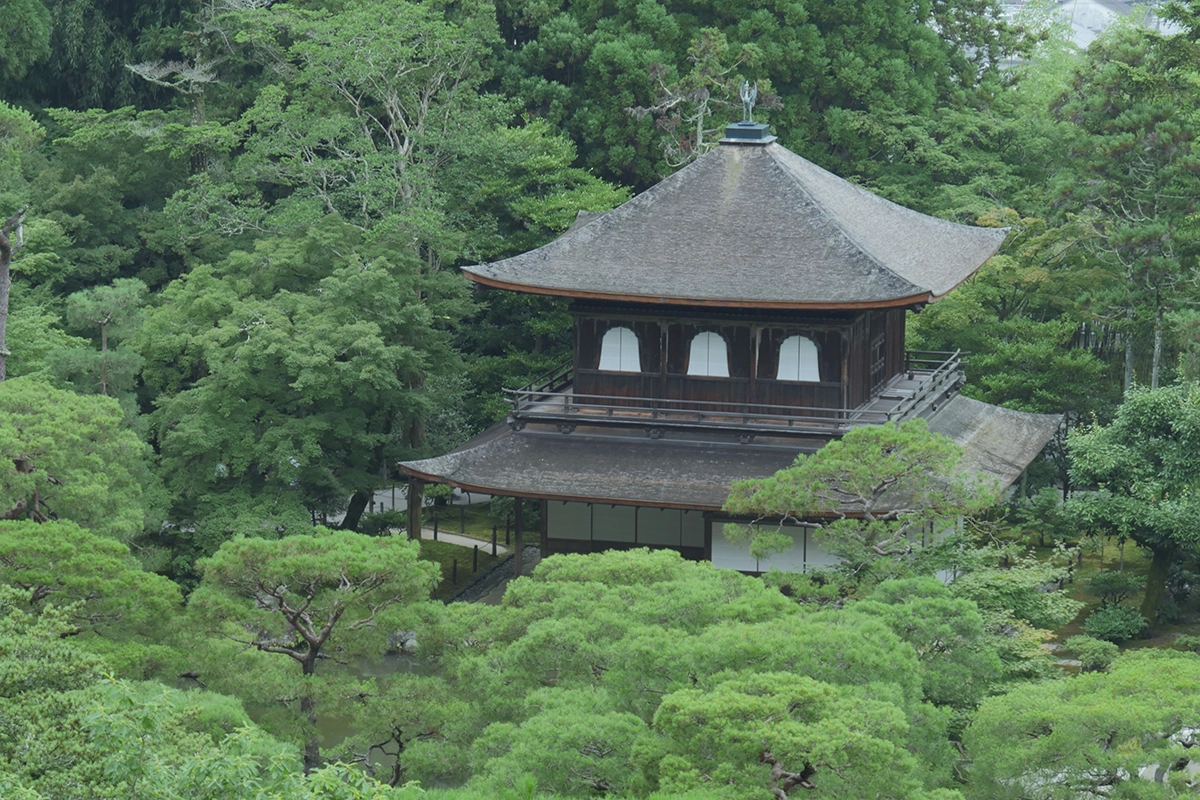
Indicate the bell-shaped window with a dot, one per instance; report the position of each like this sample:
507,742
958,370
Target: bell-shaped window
619,351
798,360
708,356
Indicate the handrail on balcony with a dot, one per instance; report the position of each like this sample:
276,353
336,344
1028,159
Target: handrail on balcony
550,383
940,379
547,400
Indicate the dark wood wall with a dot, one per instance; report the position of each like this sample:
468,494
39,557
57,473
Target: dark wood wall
843,344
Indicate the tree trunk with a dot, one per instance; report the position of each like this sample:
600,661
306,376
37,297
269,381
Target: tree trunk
358,504
1158,337
1129,350
1156,582
312,747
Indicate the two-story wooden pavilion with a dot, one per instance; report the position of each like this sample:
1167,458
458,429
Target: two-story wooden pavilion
744,310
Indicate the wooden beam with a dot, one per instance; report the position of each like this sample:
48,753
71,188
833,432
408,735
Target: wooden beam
496,283
544,539
519,525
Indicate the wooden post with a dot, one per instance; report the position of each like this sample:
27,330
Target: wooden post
544,528
518,524
475,559
435,525
507,530
493,540
416,496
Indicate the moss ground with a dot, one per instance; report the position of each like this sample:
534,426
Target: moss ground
468,520
1107,557
445,554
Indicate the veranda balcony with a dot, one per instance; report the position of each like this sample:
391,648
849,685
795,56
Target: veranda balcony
929,378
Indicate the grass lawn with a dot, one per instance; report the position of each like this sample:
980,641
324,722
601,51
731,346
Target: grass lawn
445,554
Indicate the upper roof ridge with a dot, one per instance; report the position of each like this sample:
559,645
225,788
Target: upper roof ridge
753,227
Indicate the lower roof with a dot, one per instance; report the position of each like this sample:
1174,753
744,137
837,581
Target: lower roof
628,468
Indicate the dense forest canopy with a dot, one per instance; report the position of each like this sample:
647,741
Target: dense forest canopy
230,303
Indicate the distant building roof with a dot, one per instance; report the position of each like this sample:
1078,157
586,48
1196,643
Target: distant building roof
753,226
599,465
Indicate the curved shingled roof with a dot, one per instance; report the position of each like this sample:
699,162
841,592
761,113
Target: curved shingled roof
753,226
630,469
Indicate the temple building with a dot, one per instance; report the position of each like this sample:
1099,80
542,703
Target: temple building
746,309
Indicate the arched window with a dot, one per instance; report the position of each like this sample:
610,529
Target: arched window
798,360
708,356
619,351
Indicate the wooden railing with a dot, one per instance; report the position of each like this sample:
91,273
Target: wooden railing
548,401
944,377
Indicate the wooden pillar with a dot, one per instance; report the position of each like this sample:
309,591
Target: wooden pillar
544,543
416,499
518,525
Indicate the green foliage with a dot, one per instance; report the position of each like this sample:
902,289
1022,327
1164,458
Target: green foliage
1145,477
105,737
299,382
1043,515
19,131
24,38
1133,166
1086,734
959,664
1094,655
33,336
881,482
820,588
757,733
112,597
1020,590
68,456
100,198
614,634
110,314
301,597
1020,603
848,76
1113,587
1188,642
1114,623
1017,317
383,523
570,742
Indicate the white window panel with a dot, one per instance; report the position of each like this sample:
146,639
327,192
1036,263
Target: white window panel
798,360
708,356
619,351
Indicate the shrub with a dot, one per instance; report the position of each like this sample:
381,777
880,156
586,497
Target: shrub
1180,583
1170,612
1187,642
1114,623
1113,587
380,524
1094,655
